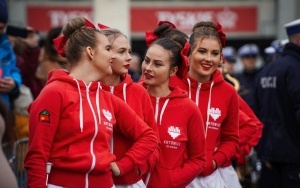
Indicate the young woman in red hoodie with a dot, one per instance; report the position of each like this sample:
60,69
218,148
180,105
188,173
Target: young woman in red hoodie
250,130
72,120
216,99
136,96
180,124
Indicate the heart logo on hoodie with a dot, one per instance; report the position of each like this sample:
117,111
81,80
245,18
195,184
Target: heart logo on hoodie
215,113
174,132
107,114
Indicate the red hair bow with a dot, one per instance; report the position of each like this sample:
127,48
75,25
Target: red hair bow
59,42
221,34
183,69
101,26
151,37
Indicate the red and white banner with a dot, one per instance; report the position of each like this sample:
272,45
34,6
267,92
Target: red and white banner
43,18
237,19
234,19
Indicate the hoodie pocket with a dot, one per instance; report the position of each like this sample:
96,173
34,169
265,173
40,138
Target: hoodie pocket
161,177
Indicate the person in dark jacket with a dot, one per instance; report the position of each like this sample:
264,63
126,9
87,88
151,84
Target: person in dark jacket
249,56
278,106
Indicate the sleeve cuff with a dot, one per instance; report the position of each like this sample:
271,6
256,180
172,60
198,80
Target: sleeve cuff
220,159
125,165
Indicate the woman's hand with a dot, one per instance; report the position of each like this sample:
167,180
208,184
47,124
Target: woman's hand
115,169
215,164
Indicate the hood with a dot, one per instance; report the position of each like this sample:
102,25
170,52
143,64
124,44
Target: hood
176,92
63,76
161,103
292,49
119,89
216,78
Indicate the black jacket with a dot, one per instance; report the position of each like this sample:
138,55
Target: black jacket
277,104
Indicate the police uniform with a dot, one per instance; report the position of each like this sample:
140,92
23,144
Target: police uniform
277,104
247,77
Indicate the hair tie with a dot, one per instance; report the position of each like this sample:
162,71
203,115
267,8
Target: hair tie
221,34
59,42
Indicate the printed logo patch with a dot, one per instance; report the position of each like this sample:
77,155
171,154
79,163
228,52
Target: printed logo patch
215,113
174,132
107,114
44,116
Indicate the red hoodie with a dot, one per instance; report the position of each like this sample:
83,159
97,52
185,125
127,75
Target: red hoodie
254,138
70,126
247,128
136,96
181,131
218,103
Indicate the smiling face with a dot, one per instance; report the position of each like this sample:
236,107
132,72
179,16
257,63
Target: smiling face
122,58
156,67
204,59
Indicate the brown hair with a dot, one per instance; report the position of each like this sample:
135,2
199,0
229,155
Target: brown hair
166,31
202,30
174,46
112,34
79,36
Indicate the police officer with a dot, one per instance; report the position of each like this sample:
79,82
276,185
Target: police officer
277,104
248,54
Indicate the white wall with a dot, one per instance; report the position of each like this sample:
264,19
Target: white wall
113,13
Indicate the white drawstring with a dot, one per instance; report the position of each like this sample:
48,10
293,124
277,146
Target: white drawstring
94,136
156,109
111,89
98,103
162,110
197,92
80,107
190,89
208,107
124,92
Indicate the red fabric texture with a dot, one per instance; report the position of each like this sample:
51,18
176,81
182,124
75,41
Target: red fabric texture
76,152
181,131
222,131
138,99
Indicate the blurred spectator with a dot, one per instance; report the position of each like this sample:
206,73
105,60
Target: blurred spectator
229,54
277,104
49,58
135,67
10,77
248,54
27,51
7,177
274,50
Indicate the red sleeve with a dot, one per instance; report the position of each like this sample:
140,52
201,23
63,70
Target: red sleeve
41,135
247,110
247,127
196,161
148,166
136,129
229,136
